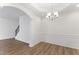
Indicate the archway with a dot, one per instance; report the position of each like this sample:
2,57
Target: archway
9,21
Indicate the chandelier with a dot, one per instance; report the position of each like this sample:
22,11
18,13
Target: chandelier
52,16
50,11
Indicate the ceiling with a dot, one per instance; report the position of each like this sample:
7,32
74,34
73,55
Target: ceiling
49,7
10,12
38,10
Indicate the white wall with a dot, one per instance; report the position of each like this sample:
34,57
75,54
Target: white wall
28,30
64,31
7,28
25,30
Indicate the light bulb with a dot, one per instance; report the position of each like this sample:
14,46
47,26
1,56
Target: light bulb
77,5
56,14
49,14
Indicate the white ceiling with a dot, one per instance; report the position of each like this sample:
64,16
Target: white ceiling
49,7
10,12
39,10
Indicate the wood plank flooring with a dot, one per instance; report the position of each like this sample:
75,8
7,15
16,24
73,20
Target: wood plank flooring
15,47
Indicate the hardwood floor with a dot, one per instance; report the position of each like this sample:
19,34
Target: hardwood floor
15,47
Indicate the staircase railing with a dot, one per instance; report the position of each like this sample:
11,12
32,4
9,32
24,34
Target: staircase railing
17,30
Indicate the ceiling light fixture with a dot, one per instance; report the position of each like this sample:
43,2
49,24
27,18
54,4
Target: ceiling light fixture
50,10
52,16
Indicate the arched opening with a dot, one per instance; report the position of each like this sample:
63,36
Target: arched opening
9,21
